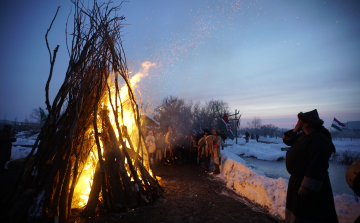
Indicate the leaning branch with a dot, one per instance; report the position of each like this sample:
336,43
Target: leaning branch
52,62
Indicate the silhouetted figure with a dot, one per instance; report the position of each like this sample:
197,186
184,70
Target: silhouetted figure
309,195
7,137
193,150
247,135
223,139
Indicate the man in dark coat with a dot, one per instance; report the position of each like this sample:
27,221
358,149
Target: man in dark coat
223,138
193,150
309,196
247,135
7,137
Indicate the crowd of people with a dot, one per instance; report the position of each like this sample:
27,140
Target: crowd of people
174,148
309,194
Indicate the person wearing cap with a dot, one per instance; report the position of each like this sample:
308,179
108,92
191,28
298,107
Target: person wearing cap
309,195
7,137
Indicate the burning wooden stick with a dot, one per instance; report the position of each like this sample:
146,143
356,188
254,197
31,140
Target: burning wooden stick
91,151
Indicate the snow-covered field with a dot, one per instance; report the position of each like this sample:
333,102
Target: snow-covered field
252,184
271,193
22,138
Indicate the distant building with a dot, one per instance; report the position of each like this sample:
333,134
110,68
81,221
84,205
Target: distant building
148,122
352,126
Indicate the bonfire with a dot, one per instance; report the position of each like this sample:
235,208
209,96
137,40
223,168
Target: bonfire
91,154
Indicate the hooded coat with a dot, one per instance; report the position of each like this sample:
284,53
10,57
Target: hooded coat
7,137
307,161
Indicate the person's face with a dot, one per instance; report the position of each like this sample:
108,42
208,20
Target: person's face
214,132
303,126
170,129
161,133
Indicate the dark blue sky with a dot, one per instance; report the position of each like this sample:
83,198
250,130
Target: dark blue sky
270,59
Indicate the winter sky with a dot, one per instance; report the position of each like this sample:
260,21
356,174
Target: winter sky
270,59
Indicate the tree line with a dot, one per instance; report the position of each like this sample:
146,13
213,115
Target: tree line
265,130
188,117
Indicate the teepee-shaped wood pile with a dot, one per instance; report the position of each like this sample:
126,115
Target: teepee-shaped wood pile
90,153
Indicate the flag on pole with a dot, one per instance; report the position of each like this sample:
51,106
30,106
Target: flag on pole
337,125
224,125
43,116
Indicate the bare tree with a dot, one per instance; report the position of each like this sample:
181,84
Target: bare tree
176,112
255,124
35,115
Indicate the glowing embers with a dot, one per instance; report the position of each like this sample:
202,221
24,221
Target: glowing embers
83,186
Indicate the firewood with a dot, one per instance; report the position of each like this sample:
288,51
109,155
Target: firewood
78,143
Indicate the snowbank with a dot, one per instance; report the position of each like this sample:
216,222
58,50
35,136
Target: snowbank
267,192
347,208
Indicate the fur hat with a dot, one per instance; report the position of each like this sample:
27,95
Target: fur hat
8,126
311,117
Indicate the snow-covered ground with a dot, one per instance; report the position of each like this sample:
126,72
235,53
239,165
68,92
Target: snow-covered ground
22,138
252,184
271,193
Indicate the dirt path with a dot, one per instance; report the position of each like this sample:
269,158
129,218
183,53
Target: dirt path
191,195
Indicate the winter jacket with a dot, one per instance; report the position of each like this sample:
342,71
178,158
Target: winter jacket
150,142
6,140
160,142
216,147
307,161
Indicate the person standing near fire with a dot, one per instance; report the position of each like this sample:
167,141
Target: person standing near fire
150,142
170,144
216,151
160,146
193,150
309,195
7,137
206,153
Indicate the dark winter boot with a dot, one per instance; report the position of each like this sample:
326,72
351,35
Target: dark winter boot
217,170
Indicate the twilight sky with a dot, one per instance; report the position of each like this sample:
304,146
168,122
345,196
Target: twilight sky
270,59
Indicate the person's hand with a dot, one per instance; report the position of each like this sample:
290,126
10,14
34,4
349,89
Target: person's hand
298,126
303,191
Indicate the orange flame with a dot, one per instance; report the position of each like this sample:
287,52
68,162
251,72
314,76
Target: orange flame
83,187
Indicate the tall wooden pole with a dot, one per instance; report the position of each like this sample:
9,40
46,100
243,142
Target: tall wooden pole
235,120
